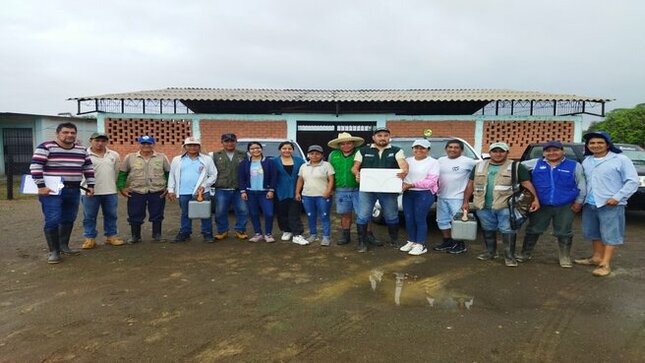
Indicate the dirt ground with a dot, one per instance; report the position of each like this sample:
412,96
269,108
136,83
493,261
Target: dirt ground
238,301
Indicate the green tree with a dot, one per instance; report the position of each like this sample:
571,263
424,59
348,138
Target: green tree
624,125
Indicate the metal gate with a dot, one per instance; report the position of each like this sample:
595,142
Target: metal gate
18,150
321,132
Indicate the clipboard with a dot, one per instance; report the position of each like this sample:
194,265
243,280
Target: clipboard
28,186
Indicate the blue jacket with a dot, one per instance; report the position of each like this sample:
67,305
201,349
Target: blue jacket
613,177
555,186
270,174
286,188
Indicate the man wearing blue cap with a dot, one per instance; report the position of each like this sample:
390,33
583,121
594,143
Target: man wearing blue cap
142,179
560,186
611,179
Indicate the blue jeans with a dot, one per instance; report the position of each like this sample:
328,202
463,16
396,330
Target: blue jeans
315,206
108,204
389,206
186,224
60,209
224,198
416,205
256,201
495,220
137,204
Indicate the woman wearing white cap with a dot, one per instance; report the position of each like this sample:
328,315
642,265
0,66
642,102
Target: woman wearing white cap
419,189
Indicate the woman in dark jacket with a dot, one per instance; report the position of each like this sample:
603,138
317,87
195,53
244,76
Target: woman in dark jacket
258,176
288,209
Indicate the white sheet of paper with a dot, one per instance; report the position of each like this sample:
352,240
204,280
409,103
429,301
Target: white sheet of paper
27,185
381,180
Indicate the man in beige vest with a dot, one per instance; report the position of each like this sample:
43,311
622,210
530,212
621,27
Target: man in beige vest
142,179
490,182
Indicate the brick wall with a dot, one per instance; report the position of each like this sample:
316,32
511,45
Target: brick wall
518,134
212,130
169,134
412,128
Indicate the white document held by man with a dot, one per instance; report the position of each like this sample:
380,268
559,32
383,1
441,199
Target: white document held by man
28,186
380,180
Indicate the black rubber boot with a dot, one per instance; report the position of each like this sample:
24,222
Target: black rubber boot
371,239
528,244
393,232
509,249
135,231
362,236
564,251
490,240
156,232
54,246
346,238
64,233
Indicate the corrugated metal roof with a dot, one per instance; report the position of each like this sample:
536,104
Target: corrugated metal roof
341,95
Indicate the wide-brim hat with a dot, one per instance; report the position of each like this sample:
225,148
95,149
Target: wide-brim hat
345,137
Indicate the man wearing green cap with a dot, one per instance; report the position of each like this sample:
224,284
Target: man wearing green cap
106,169
490,182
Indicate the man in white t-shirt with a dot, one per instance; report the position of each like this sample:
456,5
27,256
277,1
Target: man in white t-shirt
453,178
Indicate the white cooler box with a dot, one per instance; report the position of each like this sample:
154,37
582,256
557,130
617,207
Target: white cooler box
464,227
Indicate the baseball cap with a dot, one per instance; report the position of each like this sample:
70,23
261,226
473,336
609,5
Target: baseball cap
553,143
229,137
192,141
315,148
96,135
422,142
378,129
145,139
499,145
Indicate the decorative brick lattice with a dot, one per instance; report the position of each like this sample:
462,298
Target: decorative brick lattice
518,134
169,134
212,130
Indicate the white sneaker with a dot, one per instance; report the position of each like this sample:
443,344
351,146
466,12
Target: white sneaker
408,246
299,239
418,249
326,241
257,238
286,236
269,238
312,238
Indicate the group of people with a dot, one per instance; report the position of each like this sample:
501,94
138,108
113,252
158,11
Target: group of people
257,187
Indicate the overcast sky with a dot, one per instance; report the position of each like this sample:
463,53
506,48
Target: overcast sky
51,50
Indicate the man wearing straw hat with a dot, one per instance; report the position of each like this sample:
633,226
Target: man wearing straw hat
346,186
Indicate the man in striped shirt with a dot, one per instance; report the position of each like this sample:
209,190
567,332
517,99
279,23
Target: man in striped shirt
63,158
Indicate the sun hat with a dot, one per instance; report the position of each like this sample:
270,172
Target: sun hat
345,137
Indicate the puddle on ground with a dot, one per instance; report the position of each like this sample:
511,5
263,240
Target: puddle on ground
406,289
